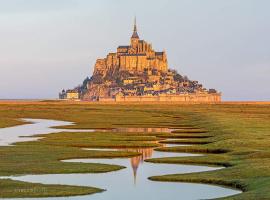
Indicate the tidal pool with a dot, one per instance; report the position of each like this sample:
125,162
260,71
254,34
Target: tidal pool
20,133
130,183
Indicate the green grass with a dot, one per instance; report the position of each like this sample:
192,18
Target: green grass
44,157
6,122
241,136
233,135
13,189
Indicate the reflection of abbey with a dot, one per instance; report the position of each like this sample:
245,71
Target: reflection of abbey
136,72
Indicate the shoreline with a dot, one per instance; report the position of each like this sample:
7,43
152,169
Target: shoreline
58,101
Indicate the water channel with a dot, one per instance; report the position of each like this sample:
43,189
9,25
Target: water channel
130,183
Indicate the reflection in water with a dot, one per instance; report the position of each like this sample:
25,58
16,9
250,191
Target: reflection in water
135,161
119,184
21,133
142,130
145,153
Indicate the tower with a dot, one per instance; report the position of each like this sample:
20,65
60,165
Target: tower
134,40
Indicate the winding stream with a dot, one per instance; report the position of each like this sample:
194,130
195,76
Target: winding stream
130,183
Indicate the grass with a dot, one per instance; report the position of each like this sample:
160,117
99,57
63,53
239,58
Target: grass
241,136
13,189
233,135
44,157
6,122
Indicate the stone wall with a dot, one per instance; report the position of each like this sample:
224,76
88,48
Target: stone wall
103,99
199,98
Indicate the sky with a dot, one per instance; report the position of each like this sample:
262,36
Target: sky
46,46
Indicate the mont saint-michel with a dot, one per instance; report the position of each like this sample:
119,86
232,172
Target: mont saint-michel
136,72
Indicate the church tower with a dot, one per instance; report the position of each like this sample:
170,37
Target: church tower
134,40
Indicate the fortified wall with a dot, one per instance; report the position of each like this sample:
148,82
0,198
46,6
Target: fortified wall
199,98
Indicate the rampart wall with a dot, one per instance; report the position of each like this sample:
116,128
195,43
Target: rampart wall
207,98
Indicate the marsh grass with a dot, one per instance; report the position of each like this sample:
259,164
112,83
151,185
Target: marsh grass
14,189
44,157
235,136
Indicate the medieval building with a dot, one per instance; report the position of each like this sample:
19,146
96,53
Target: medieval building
136,57
136,72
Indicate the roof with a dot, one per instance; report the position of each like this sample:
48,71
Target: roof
112,54
159,53
72,91
137,54
135,34
123,47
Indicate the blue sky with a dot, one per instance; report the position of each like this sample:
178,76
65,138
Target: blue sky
49,45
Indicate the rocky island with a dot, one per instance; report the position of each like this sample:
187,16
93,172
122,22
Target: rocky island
136,72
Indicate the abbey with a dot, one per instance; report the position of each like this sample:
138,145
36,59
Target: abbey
136,72
136,57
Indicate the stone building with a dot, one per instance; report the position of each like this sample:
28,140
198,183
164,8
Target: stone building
138,73
73,94
138,56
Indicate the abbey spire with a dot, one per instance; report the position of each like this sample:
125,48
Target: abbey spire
135,34
134,40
